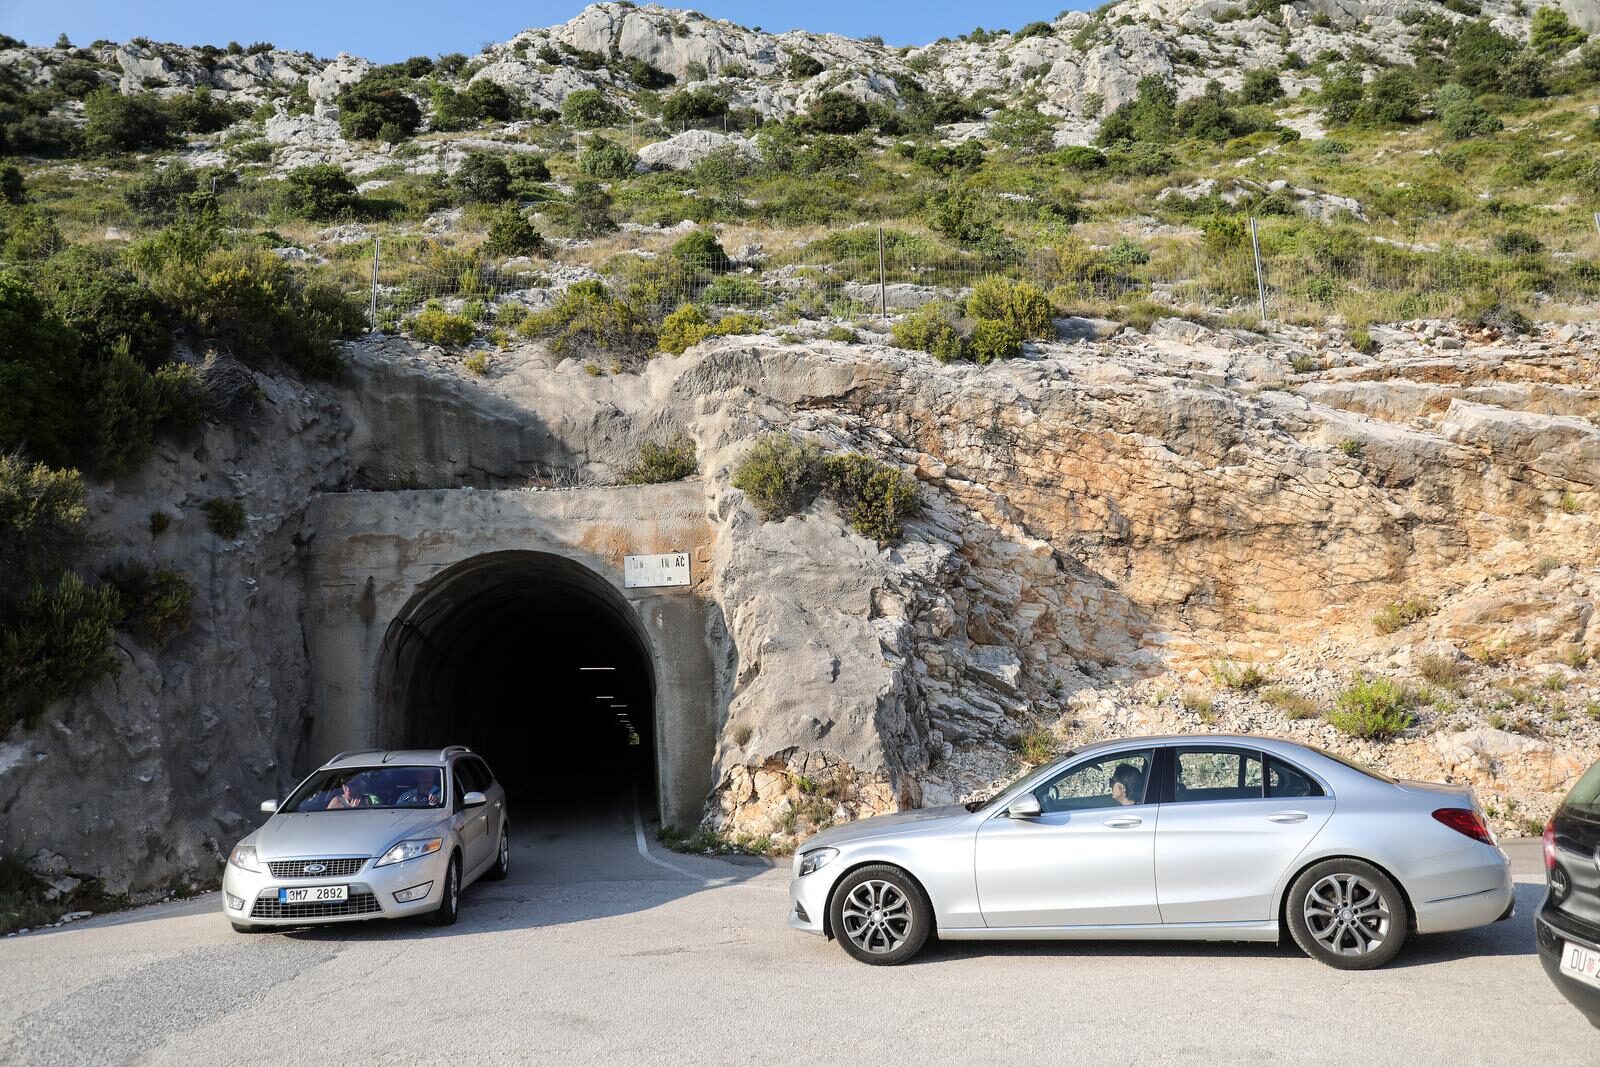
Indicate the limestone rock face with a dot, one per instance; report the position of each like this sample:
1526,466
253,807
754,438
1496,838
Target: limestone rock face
182,743
344,70
684,150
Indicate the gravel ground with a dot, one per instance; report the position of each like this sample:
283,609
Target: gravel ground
591,953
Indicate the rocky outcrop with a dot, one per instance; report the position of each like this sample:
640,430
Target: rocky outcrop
685,150
150,776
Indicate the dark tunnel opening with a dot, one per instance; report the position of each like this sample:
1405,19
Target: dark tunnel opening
539,665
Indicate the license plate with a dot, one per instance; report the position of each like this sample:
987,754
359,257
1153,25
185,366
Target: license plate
314,894
1581,962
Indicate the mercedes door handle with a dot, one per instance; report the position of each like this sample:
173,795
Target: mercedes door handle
1124,822
1287,816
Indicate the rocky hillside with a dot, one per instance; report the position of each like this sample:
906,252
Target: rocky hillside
1351,499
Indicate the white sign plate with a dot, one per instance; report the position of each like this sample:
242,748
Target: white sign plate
649,572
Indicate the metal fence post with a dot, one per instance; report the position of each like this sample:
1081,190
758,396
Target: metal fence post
1261,278
1597,222
883,282
372,311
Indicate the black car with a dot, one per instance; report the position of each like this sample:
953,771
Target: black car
1568,923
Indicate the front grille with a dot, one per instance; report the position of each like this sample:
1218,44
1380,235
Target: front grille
342,868
362,903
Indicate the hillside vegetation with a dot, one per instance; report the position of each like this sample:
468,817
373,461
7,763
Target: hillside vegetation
174,217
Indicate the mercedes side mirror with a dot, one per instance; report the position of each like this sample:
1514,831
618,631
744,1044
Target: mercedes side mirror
474,799
1024,807
269,806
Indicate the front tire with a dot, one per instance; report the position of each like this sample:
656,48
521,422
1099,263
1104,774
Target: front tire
502,859
450,903
1347,914
880,915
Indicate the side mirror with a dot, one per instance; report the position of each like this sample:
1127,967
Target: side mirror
474,799
1024,807
269,806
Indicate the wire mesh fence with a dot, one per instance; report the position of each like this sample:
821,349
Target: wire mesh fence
869,278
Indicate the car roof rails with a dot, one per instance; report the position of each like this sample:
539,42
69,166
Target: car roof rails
356,752
450,750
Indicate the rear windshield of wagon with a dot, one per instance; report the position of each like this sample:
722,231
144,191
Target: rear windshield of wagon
1585,796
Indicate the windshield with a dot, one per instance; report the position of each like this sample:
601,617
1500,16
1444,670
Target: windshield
348,788
1585,796
979,805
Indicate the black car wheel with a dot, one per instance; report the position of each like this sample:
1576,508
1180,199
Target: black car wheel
450,903
502,859
880,915
1347,914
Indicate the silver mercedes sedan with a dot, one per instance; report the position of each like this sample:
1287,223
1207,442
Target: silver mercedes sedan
1206,838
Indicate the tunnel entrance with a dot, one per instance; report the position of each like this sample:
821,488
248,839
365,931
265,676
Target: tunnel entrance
535,662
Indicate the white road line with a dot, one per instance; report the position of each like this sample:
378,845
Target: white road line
644,850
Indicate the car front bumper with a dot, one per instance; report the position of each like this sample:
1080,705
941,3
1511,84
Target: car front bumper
371,894
808,898
1552,931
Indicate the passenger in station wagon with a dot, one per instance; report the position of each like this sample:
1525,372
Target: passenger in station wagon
349,796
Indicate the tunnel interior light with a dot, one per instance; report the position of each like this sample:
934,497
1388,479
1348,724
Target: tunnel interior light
607,697
597,668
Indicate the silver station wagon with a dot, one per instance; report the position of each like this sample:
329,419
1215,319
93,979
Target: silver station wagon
372,835
1221,838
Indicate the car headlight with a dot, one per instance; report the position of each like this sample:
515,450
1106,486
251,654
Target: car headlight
816,859
244,857
410,850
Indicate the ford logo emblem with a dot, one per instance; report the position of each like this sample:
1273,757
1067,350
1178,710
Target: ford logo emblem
315,868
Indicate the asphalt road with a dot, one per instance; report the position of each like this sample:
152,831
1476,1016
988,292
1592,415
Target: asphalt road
592,953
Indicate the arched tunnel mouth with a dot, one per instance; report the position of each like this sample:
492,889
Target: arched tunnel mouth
538,664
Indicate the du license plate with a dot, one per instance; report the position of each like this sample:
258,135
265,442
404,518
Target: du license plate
314,894
1582,962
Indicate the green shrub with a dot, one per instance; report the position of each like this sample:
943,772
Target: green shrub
1261,86
436,326
160,196
1375,709
321,192
1551,34
1460,115
378,106
1402,613
688,326
160,523
1080,158
90,291
155,601
877,498
56,641
780,475
42,514
1020,305
40,374
834,112
993,340
225,517
199,111
605,159
936,328
477,364
692,107
587,109
248,299
117,123
586,320
671,462
511,233
802,66
482,178
701,250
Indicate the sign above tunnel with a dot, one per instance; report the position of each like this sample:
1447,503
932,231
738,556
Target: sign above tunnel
650,572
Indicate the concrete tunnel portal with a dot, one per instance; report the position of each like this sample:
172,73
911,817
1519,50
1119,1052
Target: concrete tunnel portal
535,662
502,620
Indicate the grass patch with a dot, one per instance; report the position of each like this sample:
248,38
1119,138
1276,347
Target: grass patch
1293,705
1401,613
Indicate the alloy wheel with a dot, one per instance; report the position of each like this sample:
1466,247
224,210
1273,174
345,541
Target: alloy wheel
877,916
1347,914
